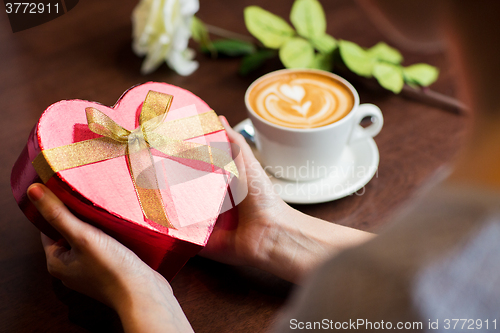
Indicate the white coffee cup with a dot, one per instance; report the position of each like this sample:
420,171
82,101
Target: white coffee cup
308,154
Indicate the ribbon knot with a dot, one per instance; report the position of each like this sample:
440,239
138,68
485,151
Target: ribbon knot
153,132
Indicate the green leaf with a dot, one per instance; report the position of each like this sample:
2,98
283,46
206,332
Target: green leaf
232,47
308,18
389,76
421,74
200,35
255,60
297,53
325,43
356,58
323,61
384,52
270,29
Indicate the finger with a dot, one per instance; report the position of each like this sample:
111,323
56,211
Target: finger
54,211
231,133
253,168
237,138
54,253
46,241
52,248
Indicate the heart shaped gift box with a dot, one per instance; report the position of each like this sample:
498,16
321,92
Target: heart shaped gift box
162,199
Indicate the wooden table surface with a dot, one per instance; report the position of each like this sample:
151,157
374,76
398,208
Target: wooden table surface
86,54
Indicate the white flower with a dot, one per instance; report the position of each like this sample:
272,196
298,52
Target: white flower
161,31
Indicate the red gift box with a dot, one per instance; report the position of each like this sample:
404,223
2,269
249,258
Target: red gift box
87,154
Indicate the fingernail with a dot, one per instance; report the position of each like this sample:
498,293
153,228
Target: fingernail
35,192
224,121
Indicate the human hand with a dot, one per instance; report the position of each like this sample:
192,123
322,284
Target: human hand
258,213
271,235
91,262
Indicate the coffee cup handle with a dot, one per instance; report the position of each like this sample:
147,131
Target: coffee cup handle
366,110
248,132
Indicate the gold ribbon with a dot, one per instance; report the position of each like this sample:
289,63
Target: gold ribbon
153,132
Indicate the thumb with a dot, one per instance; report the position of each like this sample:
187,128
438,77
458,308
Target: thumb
56,213
239,140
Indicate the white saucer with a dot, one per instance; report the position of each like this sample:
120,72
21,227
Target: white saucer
356,167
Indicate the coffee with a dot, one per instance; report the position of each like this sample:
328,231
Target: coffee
300,99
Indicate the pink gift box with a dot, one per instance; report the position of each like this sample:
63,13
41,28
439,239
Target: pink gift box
103,194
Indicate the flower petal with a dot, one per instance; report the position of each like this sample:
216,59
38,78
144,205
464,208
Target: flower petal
189,7
155,57
181,64
161,31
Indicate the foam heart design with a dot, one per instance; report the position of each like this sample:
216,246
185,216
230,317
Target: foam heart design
103,194
302,109
294,92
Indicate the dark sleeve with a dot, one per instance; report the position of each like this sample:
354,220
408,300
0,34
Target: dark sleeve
349,292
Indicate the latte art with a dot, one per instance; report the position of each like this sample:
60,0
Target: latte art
301,100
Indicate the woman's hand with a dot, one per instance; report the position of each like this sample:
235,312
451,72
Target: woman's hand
242,244
271,235
95,264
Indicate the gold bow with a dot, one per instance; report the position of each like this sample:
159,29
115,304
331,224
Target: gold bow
153,132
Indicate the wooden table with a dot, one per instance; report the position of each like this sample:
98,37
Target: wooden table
86,54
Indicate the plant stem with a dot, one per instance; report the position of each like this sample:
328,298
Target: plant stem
228,34
422,95
427,95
